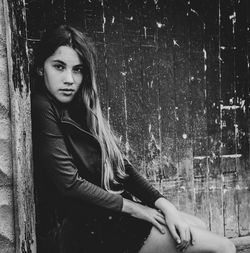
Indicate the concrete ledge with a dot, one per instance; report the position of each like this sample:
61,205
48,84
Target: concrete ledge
242,244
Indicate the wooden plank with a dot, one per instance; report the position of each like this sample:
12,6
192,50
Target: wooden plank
41,15
169,182
230,197
7,231
241,130
210,17
150,91
198,85
202,207
84,14
130,14
115,71
182,100
21,128
99,34
228,165
44,14
152,140
87,15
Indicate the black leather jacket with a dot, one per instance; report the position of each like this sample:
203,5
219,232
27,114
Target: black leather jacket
67,163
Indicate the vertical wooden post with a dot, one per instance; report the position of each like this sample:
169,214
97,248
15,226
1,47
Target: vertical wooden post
19,91
7,237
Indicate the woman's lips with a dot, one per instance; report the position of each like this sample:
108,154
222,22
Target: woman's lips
67,92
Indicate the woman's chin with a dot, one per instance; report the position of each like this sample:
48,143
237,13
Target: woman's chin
64,98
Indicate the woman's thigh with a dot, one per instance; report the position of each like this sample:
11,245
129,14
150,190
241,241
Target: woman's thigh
194,221
205,241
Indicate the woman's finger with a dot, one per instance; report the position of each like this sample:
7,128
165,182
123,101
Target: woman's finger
174,233
158,226
192,237
160,219
182,246
188,237
184,239
183,234
159,214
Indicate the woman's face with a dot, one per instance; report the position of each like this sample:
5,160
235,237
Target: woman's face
63,74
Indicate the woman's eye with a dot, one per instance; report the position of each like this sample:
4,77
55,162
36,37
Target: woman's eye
59,67
77,70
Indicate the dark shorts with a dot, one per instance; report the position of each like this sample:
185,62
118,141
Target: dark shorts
117,233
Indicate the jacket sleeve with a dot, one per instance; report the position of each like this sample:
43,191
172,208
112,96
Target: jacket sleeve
51,151
136,184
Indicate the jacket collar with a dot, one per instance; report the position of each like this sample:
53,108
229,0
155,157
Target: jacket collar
64,115
62,109
66,118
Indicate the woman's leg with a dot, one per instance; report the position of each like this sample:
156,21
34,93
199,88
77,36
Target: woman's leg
194,221
205,241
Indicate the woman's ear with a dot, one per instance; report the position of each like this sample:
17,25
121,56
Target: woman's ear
40,71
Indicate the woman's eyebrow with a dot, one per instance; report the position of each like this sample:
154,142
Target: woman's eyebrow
63,63
78,65
59,61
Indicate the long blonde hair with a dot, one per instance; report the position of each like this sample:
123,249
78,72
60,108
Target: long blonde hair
113,164
113,167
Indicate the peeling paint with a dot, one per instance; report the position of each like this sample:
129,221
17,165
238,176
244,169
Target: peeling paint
157,7
221,60
160,25
233,18
175,43
145,31
229,107
103,24
149,127
124,73
194,11
221,156
205,59
64,11
129,18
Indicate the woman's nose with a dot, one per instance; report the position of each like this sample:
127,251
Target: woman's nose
68,78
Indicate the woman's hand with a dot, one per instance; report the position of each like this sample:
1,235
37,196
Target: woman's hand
144,213
178,228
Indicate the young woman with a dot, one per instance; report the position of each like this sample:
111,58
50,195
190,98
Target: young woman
81,177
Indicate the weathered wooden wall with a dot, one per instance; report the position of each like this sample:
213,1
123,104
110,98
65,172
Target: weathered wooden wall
7,238
174,81
17,223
